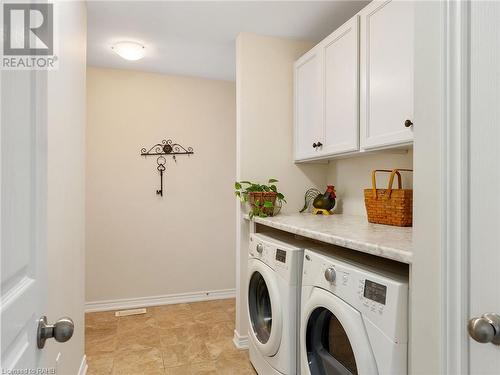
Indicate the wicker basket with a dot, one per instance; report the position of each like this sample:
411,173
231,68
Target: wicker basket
265,196
389,206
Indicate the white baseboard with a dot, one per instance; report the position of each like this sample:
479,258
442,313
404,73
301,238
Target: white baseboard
241,342
132,303
83,366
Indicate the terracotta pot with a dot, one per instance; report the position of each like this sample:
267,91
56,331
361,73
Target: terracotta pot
263,196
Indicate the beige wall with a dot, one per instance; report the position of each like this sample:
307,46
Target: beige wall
264,81
265,114
139,244
66,187
352,175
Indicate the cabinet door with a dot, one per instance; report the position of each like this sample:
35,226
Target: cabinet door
386,72
308,105
341,93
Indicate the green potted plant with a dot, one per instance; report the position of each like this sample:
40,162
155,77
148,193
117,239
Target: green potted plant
264,199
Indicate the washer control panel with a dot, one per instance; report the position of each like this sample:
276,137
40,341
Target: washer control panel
372,295
260,250
381,296
282,257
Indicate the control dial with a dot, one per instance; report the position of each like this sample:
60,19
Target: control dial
330,274
260,248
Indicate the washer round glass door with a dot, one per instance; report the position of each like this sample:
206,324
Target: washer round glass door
264,307
329,350
333,337
259,306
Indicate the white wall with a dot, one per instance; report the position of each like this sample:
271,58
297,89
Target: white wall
140,244
264,81
427,304
352,175
66,185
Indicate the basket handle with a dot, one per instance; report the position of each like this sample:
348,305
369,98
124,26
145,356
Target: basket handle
374,179
391,180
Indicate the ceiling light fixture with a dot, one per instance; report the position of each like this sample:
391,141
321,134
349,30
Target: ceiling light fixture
129,50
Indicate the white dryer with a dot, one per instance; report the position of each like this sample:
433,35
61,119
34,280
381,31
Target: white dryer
274,272
353,318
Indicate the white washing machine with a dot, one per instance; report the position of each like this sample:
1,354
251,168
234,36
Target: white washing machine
354,318
274,273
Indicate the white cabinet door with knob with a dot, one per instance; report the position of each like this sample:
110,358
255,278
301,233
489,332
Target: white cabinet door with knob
386,73
326,96
341,89
308,105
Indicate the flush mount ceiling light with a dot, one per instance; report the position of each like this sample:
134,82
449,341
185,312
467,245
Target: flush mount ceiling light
129,50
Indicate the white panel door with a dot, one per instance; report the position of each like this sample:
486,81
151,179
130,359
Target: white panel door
341,93
308,108
386,73
484,177
23,221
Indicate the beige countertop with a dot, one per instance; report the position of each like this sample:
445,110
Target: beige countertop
352,232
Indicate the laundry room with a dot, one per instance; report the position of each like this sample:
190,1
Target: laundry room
250,187
313,276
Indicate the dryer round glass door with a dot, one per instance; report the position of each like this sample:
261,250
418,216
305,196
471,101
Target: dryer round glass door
329,350
259,305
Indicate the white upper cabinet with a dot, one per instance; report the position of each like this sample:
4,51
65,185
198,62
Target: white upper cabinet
354,90
308,104
327,96
386,74
341,94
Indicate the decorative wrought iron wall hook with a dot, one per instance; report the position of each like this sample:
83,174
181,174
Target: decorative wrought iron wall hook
166,147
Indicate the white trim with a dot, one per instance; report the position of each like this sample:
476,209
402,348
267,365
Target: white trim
168,299
240,300
241,342
455,193
83,366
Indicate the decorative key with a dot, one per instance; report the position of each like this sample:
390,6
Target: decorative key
166,147
161,168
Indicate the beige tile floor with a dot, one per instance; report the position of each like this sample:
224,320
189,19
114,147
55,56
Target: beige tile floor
181,339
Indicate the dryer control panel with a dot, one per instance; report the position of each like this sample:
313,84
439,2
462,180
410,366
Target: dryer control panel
380,296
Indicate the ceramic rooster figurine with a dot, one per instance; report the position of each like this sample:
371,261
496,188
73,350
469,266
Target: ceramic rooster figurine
322,203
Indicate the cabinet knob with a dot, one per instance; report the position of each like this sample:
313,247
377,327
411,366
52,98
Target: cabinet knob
315,145
408,123
319,144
